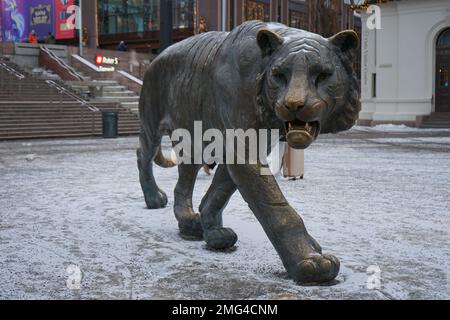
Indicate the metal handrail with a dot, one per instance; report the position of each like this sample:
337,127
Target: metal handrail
61,63
83,102
130,77
88,113
12,71
63,90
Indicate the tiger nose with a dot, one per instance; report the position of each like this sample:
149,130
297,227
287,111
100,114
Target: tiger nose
294,106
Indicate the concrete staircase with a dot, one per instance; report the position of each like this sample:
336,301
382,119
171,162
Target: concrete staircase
98,89
108,91
31,108
45,74
26,121
436,120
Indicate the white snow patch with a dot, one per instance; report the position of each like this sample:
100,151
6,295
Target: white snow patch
81,204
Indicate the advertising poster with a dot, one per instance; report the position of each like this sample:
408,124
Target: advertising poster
14,20
41,17
65,18
1,21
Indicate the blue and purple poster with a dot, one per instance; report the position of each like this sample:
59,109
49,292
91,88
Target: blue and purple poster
41,17
1,21
14,20
20,17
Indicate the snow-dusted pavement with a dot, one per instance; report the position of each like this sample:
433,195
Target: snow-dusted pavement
370,197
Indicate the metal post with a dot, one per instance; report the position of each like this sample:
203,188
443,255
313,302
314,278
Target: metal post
224,15
166,24
94,113
80,25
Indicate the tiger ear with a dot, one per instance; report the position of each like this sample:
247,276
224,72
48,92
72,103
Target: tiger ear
347,41
268,41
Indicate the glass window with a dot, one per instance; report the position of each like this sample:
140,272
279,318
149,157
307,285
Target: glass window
444,39
298,19
183,14
257,10
443,76
134,16
122,16
151,15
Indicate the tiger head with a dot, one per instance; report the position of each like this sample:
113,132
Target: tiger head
309,82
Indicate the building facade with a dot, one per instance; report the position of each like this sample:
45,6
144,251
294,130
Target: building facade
405,64
137,22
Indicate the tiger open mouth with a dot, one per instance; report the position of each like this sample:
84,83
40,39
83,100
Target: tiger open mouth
301,134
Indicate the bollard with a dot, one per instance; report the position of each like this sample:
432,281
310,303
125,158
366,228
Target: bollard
293,163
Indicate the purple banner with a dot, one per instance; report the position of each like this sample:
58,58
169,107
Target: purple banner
1,21
41,16
14,20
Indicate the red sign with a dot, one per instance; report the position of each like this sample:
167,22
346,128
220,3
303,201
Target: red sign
101,60
98,59
65,19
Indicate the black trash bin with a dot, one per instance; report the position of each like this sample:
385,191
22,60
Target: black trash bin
110,124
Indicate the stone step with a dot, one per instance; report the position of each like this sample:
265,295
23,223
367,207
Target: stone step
65,135
89,82
62,134
441,113
83,89
79,86
437,121
125,93
60,122
438,118
133,106
76,83
118,99
114,88
436,125
103,83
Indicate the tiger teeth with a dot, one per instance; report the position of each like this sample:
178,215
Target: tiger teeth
304,126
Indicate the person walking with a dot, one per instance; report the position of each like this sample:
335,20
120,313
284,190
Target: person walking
121,46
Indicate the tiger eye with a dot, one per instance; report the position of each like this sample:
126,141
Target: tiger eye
322,77
276,71
278,74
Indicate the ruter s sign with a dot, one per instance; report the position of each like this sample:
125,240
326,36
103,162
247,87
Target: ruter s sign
106,64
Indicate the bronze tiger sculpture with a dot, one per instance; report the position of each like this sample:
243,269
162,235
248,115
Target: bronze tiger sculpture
260,75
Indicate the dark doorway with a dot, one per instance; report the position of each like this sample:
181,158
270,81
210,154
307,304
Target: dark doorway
443,72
